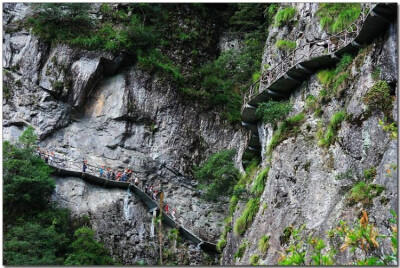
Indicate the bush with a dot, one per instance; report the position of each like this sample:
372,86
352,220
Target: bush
254,259
379,98
240,252
337,17
259,182
247,216
273,111
86,250
369,174
263,244
283,16
219,173
333,127
286,45
364,193
288,128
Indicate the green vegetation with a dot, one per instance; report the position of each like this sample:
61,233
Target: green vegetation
254,259
152,33
240,252
86,250
364,193
273,111
335,79
333,127
259,182
362,236
391,128
244,221
379,98
263,244
283,16
337,17
288,128
376,73
35,231
286,45
369,174
347,175
218,174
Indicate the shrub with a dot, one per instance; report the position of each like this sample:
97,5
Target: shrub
221,244
288,128
337,17
364,193
312,103
333,127
254,259
273,111
379,98
283,16
286,45
263,244
240,252
259,182
369,174
219,173
247,216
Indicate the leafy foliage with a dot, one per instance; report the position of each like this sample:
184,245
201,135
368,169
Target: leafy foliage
286,45
219,173
389,127
283,16
86,250
273,111
369,174
254,259
336,17
35,232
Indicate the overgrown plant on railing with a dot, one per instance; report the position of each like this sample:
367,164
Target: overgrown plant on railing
335,17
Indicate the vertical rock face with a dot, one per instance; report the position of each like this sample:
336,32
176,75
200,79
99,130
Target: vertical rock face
306,183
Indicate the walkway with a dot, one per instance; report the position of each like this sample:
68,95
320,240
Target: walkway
280,81
63,167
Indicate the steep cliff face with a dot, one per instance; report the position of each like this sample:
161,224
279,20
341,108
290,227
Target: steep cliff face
93,105
307,184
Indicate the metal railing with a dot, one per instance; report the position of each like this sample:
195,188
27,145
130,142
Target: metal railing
77,165
310,50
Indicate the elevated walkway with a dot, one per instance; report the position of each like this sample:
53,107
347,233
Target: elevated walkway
283,79
66,168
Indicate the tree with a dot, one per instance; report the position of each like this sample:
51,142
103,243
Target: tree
86,250
218,173
28,138
30,243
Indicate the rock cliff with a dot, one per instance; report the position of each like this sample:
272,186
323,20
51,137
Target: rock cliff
102,107
305,183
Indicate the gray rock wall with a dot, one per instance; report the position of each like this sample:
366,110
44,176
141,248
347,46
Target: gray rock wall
303,186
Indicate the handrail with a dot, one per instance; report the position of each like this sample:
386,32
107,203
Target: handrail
66,163
334,42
